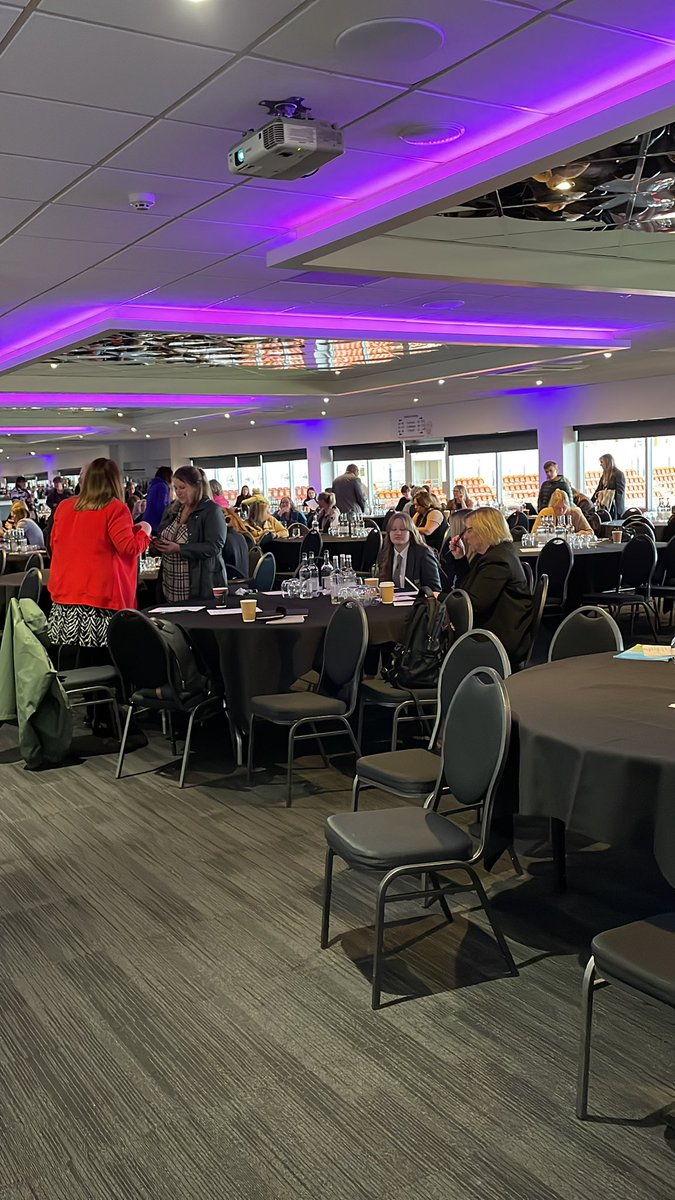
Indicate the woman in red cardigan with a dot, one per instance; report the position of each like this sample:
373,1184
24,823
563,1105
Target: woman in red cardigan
95,549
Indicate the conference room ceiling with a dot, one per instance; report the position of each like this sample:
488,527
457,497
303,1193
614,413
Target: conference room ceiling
414,95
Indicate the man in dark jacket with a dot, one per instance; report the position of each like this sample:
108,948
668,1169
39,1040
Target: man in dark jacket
494,579
350,494
552,482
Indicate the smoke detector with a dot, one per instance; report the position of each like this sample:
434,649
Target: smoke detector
142,201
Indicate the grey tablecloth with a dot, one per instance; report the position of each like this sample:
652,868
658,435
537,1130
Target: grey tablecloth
596,741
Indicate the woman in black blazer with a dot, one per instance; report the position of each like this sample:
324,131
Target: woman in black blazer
614,480
488,569
404,557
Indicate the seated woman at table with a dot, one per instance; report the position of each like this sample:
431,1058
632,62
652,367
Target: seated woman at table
560,508
260,521
245,494
328,511
488,569
95,550
429,518
217,494
287,515
460,498
405,559
21,520
310,502
191,540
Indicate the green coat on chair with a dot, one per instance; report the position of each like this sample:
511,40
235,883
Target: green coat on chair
31,696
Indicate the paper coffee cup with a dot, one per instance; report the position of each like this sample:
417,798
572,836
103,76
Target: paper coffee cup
219,595
616,535
387,593
248,608
372,583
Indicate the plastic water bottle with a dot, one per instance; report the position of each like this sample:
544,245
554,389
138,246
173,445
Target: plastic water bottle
326,574
313,578
303,573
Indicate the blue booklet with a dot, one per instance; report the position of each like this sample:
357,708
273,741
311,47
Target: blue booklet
649,653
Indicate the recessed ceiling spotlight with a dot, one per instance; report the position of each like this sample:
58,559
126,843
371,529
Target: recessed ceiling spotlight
147,435
323,412
441,382
194,429
337,372
539,382
607,354
81,436
326,399
175,422
134,429
32,454
58,447
120,414
389,41
226,416
431,135
564,185
251,422
53,366
416,399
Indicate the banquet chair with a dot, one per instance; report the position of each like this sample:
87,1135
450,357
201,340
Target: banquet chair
528,572
334,699
587,630
254,556
93,687
34,560
370,551
410,840
641,956
538,605
556,560
638,529
153,681
264,573
633,589
3,561
30,587
665,588
413,704
297,528
631,513
311,543
413,773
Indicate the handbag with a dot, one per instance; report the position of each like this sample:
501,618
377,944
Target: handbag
605,497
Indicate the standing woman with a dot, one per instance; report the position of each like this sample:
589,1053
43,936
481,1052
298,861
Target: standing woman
192,537
429,519
95,549
614,480
158,497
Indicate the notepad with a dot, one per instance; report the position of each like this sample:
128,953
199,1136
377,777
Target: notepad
642,653
196,608
227,612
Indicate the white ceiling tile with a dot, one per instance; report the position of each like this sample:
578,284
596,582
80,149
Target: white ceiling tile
222,24
108,188
656,18
93,224
245,267
35,178
265,206
311,36
12,212
300,295
64,132
381,131
52,257
96,287
109,67
7,18
158,265
209,236
232,100
176,148
195,290
520,67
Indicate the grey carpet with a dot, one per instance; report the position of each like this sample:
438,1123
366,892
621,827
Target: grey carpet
170,1029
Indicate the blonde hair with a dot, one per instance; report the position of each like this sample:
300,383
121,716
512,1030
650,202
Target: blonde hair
257,512
19,512
101,483
425,500
559,496
490,525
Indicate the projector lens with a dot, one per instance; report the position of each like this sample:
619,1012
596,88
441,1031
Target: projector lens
239,157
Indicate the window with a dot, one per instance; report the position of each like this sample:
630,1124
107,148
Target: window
519,471
427,465
629,455
663,472
478,473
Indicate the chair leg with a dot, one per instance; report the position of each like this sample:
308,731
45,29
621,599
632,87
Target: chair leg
442,900
378,952
327,893
557,836
361,718
186,751
587,991
123,743
517,865
350,731
355,793
249,760
116,718
289,764
172,732
322,752
487,909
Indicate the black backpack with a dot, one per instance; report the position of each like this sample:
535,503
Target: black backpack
416,660
187,680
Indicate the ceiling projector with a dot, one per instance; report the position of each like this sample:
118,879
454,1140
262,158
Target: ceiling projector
288,146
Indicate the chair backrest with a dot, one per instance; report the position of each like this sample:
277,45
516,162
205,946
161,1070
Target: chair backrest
587,630
266,539
3,561
632,512
556,560
477,648
460,611
528,573
517,519
138,650
34,560
637,528
603,514
312,543
370,522
538,605
254,556
263,575
638,562
344,650
666,564
296,527
476,739
371,548
31,585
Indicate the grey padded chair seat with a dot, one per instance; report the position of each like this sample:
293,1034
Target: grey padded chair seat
641,955
391,837
412,771
380,690
86,677
291,706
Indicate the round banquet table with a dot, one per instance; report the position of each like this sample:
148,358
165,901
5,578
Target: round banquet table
595,568
602,760
256,659
287,551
